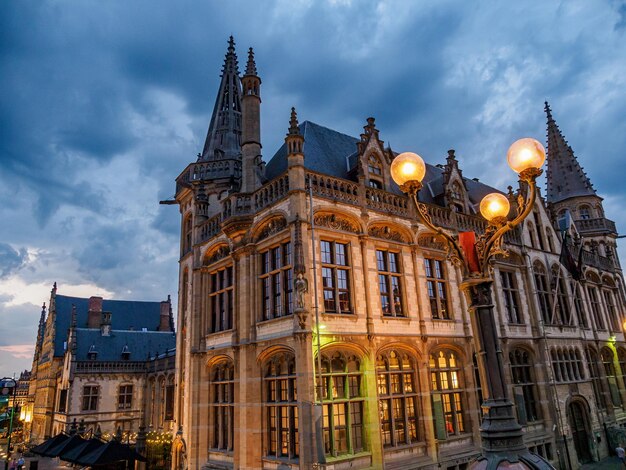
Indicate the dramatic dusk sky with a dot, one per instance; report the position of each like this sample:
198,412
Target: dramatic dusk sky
102,104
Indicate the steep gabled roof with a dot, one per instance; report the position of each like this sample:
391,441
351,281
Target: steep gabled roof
140,344
224,134
332,153
126,314
325,151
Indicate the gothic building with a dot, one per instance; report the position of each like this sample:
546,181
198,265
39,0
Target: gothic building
321,326
96,363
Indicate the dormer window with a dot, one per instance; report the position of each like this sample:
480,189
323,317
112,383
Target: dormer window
92,354
375,172
373,166
455,192
125,353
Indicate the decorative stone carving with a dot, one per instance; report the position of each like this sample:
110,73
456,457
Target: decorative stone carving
431,241
220,253
273,226
336,222
388,233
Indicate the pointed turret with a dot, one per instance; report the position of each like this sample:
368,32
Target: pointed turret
565,177
251,128
224,135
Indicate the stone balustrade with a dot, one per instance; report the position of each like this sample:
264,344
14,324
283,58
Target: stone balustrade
595,225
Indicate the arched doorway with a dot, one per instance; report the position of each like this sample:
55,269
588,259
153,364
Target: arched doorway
579,426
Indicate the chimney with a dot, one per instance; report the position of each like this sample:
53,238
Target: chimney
95,312
164,324
105,326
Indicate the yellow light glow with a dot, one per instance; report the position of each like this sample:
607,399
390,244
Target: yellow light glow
494,205
524,154
407,166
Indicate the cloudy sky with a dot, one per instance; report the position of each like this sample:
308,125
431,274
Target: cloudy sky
102,104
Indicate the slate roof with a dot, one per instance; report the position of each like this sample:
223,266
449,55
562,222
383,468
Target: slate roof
125,314
565,177
141,344
331,153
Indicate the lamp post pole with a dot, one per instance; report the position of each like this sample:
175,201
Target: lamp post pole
5,389
501,435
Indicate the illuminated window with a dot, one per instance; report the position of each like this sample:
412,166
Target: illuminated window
343,404
281,407
397,398
446,384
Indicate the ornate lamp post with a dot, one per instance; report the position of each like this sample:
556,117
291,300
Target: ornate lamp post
502,436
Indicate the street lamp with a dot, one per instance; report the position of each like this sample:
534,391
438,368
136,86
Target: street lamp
8,389
502,436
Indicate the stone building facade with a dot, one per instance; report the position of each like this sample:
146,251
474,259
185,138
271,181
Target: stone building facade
93,362
312,269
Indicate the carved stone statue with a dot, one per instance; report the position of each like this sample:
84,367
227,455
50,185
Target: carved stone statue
302,286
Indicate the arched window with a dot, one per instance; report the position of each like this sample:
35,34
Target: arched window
281,407
397,398
544,296
343,404
611,310
532,235
563,312
581,315
447,388
187,234
522,374
596,309
584,212
609,370
221,406
592,365
621,358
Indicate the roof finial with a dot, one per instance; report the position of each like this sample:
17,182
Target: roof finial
231,44
251,65
293,123
548,111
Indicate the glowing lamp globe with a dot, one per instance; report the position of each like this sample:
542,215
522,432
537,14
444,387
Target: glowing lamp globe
524,154
407,166
494,206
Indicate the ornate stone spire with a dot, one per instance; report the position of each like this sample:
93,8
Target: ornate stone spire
223,140
251,65
565,177
294,140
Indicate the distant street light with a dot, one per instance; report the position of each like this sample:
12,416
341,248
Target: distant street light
502,436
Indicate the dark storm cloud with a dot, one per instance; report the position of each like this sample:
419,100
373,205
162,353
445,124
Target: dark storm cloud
11,260
104,104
